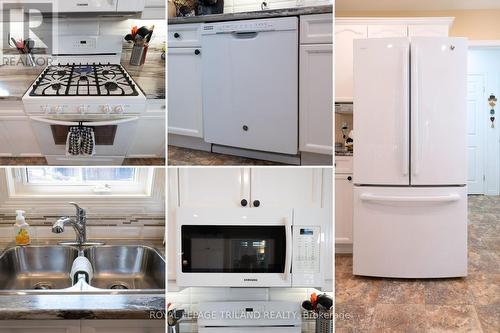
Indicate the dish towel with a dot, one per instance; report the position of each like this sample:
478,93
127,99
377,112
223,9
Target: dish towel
80,141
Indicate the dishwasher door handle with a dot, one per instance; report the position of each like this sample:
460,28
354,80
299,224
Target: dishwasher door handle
245,34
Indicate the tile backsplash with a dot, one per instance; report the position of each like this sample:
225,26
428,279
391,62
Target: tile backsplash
236,6
141,226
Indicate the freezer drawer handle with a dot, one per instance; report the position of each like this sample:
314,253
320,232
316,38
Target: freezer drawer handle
393,198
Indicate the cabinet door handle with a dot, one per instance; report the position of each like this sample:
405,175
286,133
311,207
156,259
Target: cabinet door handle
176,35
197,52
349,178
256,203
244,202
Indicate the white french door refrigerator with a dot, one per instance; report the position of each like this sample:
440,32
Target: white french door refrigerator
410,163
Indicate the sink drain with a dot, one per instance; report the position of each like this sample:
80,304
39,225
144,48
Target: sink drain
119,285
42,286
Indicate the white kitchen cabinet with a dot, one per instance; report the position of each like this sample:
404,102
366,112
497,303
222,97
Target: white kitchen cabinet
316,29
286,187
271,187
17,137
428,30
39,326
387,31
185,92
345,34
213,187
316,98
123,326
154,10
343,208
150,135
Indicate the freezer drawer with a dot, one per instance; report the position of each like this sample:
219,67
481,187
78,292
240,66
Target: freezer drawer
410,232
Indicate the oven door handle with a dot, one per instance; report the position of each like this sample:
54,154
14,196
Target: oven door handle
94,123
288,257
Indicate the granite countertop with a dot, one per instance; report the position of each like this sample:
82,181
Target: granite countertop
86,306
16,79
294,11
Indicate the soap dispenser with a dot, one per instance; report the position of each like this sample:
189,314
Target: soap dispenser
21,229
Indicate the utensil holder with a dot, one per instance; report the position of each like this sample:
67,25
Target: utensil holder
138,55
324,322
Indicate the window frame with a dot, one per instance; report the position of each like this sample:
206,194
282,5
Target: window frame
19,186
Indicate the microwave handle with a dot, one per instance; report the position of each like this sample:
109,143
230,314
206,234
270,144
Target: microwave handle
288,258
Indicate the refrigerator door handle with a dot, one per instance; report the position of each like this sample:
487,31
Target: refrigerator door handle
392,198
415,146
405,140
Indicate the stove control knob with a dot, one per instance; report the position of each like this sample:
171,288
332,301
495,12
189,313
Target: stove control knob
118,109
106,109
82,109
58,109
45,109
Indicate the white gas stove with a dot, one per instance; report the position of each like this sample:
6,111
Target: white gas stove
85,86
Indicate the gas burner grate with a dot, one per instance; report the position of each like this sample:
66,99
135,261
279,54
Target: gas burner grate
84,80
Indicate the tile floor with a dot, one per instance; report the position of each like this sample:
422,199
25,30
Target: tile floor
469,304
185,156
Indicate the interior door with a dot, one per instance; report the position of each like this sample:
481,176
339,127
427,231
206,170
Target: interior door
250,88
475,129
438,111
381,111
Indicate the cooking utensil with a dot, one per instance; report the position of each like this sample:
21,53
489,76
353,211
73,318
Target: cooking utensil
129,38
325,301
143,31
148,37
307,305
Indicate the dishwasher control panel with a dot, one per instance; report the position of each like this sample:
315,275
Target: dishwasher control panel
288,23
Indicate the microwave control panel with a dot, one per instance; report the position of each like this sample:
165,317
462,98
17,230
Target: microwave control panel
306,252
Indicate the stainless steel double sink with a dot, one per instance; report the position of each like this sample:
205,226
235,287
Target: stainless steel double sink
117,269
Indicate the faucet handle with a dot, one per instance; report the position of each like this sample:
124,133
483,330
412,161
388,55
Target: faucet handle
79,210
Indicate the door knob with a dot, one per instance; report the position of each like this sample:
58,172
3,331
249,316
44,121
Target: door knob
349,178
196,51
256,203
244,202
176,35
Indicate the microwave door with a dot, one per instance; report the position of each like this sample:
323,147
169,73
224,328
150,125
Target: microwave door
236,255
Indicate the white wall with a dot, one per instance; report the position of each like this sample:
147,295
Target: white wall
487,62
236,6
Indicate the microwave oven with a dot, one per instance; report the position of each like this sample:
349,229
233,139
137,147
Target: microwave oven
250,247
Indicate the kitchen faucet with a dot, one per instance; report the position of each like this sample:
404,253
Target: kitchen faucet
79,224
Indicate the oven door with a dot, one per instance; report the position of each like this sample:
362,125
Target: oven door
113,135
234,247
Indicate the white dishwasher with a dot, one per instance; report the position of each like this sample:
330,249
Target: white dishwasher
250,84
